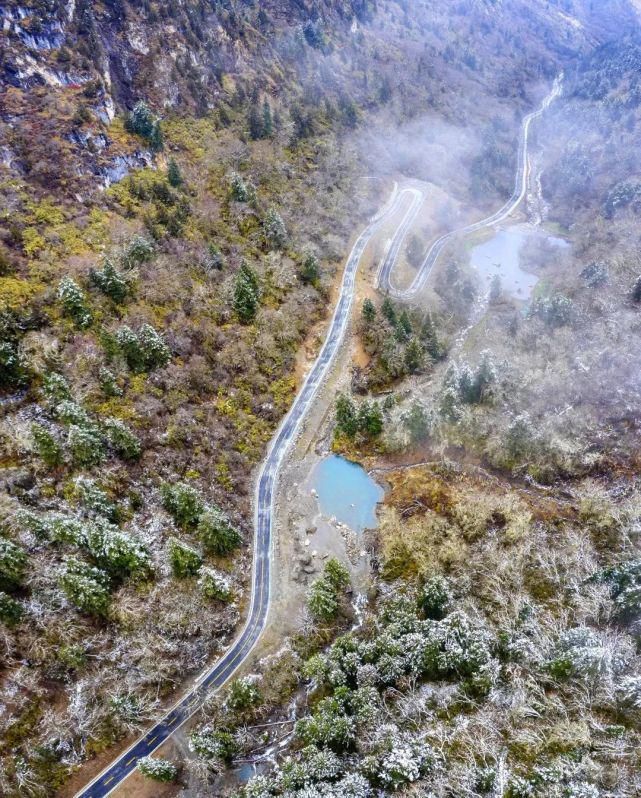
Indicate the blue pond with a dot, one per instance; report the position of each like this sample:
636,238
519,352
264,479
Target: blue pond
346,491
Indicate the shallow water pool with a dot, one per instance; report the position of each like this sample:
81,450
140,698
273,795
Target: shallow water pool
502,256
347,492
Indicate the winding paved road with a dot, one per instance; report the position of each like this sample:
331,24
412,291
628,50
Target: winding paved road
384,276
215,677
226,666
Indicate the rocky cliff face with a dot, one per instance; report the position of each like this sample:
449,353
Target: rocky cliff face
68,68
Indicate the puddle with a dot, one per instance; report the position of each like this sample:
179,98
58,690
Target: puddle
504,255
347,492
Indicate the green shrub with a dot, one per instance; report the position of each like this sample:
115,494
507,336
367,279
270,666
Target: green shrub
70,412
216,532
129,345
214,260
86,587
216,745
183,502
155,351
241,190
184,560
74,303
13,564
108,383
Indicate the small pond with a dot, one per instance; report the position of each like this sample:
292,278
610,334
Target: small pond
502,255
347,492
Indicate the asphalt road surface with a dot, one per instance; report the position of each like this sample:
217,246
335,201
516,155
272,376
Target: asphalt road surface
384,277
220,673
110,778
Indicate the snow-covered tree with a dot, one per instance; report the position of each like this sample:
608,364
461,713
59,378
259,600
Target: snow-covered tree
11,611
216,532
243,693
85,586
111,282
122,439
184,560
46,446
13,564
183,502
275,230
85,445
157,769
74,302
214,585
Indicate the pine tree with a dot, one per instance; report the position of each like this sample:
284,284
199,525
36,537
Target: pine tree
268,123
255,123
275,230
417,423
245,301
414,356
388,311
310,269
174,176
10,610
156,140
140,121
430,339
346,416
495,289
368,313
74,302
322,600
370,419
